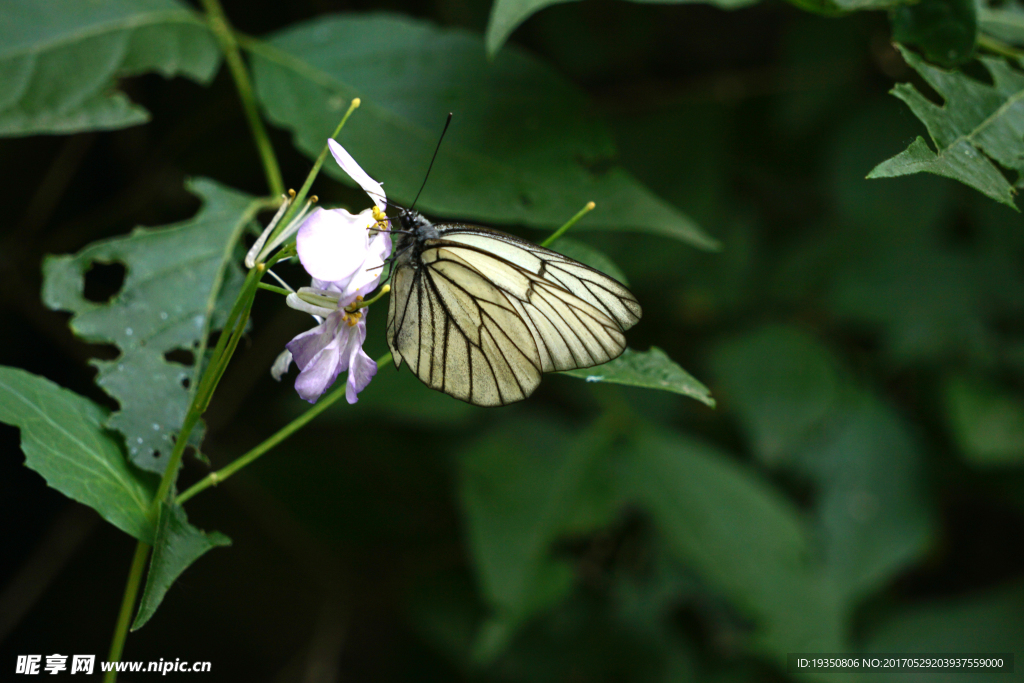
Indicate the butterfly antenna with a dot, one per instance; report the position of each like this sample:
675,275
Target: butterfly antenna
432,160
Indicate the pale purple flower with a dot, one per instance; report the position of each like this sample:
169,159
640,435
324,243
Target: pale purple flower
329,349
345,261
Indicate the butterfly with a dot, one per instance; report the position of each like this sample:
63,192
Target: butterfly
480,314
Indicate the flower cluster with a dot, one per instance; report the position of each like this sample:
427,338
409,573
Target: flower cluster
345,255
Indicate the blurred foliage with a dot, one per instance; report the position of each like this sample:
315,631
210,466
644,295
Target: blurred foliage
945,30
104,41
526,148
857,488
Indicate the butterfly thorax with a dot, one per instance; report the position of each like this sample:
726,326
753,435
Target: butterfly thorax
418,224
414,230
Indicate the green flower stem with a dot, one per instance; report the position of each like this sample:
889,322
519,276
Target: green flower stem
273,288
572,221
287,251
221,355
313,172
218,22
364,304
323,153
991,44
228,342
220,475
131,592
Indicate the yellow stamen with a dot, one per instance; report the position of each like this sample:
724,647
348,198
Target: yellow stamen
381,219
359,303
354,306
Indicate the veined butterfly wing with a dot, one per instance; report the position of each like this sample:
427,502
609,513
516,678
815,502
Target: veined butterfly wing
480,314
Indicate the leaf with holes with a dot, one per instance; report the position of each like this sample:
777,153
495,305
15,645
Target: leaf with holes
524,147
978,126
179,283
60,59
63,438
651,369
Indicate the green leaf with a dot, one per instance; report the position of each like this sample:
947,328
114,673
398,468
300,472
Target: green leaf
507,15
988,423
872,510
833,8
650,369
60,60
586,254
945,30
169,302
826,8
977,126
63,438
925,299
781,383
178,544
875,217
1005,23
522,486
986,622
524,147
739,535
803,412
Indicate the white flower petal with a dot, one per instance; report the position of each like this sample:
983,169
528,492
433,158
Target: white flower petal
364,282
379,247
280,367
298,304
332,244
361,370
355,171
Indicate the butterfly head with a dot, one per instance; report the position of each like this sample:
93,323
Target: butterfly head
416,223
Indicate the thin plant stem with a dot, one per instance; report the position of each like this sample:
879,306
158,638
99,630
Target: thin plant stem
214,478
286,252
221,356
273,288
323,153
212,374
199,401
218,22
227,343
131,592
311,176
991,44
571,222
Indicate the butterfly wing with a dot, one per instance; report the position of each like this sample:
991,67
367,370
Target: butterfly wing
483,314
460,334
576,314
